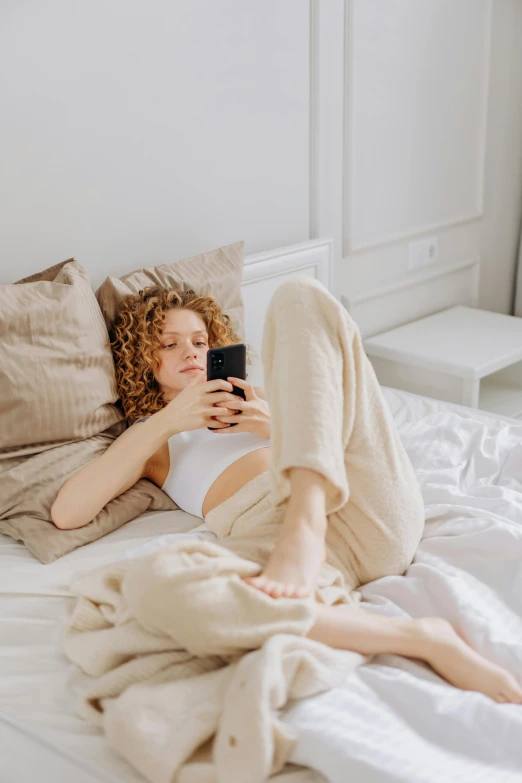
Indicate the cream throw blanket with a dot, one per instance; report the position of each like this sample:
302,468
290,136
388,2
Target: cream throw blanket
183,651
191,664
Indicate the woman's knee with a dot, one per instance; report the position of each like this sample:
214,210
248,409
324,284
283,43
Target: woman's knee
310,293
305,296
300,290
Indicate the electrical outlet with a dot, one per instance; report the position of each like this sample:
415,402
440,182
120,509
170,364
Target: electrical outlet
432,249
423,252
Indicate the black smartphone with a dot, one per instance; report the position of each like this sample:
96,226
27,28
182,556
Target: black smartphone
225,362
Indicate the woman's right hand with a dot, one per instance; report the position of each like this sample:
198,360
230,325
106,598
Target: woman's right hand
193,408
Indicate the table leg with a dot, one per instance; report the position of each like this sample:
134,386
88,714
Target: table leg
470,392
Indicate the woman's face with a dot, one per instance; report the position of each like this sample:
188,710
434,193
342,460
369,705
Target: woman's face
182,356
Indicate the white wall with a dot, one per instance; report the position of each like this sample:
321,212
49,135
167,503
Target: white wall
417,99
433,145
141,132
136,133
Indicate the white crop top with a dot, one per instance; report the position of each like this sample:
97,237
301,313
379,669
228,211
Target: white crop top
197,458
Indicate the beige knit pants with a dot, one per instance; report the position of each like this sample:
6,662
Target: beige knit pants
328,414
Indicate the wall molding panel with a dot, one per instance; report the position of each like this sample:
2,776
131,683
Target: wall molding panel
398,303
327,99
362,129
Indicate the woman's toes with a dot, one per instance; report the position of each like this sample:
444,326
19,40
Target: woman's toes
510,688
514,694
278,590
269,587
281,590
291,591
259,582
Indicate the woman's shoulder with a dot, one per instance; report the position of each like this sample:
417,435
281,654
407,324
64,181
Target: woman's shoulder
157,466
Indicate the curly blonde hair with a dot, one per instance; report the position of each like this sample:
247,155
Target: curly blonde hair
135,341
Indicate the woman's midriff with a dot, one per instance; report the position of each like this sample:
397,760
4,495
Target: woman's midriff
236,476
227,483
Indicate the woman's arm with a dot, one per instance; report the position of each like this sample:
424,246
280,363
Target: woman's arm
126,460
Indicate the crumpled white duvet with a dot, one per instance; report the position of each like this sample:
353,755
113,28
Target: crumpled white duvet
395,719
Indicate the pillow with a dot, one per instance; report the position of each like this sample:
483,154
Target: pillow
56,370
58,389
218,273
29,485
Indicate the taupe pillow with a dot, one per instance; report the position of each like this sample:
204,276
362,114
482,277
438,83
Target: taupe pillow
57,412
57,378
218,273
29,485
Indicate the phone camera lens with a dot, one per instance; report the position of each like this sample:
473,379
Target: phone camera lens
218,360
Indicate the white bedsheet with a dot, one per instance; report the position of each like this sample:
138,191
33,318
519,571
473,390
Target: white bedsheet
394,719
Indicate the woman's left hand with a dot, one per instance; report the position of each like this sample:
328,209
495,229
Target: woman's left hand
255,413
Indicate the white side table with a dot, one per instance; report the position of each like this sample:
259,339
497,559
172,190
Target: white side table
465,355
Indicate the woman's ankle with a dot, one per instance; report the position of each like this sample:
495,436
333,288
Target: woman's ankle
294,523
307,489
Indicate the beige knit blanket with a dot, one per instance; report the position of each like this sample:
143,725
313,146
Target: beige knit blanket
190,666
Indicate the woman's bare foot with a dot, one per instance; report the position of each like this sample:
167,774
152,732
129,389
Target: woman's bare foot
450,656
292,569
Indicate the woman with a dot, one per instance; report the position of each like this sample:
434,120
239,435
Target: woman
324,466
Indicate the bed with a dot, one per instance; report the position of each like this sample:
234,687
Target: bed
394,719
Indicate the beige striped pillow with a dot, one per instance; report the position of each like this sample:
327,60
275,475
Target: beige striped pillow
217,273
57,379
29,485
